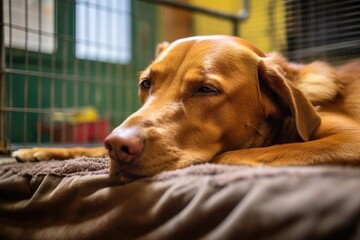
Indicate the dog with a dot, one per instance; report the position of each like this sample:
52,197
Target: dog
220,99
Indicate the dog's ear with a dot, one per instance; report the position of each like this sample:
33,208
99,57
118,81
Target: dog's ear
161,47
289,97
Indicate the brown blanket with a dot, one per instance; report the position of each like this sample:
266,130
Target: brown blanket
75,199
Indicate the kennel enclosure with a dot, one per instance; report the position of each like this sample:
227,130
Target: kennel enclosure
69,68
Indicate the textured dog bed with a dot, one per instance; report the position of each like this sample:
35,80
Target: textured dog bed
76,199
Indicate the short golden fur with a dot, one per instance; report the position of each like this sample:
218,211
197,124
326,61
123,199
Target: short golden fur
220,99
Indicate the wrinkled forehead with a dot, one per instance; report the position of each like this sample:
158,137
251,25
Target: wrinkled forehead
214,51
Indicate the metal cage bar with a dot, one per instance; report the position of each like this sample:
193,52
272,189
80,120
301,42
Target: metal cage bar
3,138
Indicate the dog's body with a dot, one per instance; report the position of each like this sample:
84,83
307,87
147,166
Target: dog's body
220,99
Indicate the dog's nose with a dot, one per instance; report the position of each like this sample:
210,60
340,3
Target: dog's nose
124,145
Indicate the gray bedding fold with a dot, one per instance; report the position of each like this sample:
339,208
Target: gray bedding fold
75,199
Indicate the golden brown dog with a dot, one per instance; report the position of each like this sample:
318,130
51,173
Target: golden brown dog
220,99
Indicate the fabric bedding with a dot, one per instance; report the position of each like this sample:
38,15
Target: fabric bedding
76,199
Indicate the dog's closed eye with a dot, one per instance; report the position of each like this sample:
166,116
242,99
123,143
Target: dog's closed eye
207,89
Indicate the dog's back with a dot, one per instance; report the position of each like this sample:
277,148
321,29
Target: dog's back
347,98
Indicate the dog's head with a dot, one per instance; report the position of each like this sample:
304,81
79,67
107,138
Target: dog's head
202,96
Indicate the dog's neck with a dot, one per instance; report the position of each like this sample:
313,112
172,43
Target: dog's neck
275,131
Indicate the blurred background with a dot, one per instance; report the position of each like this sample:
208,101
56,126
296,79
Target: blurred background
69,68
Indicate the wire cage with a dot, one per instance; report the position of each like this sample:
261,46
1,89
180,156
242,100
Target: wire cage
69,68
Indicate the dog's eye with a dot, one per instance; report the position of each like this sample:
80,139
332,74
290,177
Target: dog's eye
207,89
145,84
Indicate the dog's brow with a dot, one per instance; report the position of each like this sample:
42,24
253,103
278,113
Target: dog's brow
154,70
207,78
145,74
213,77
